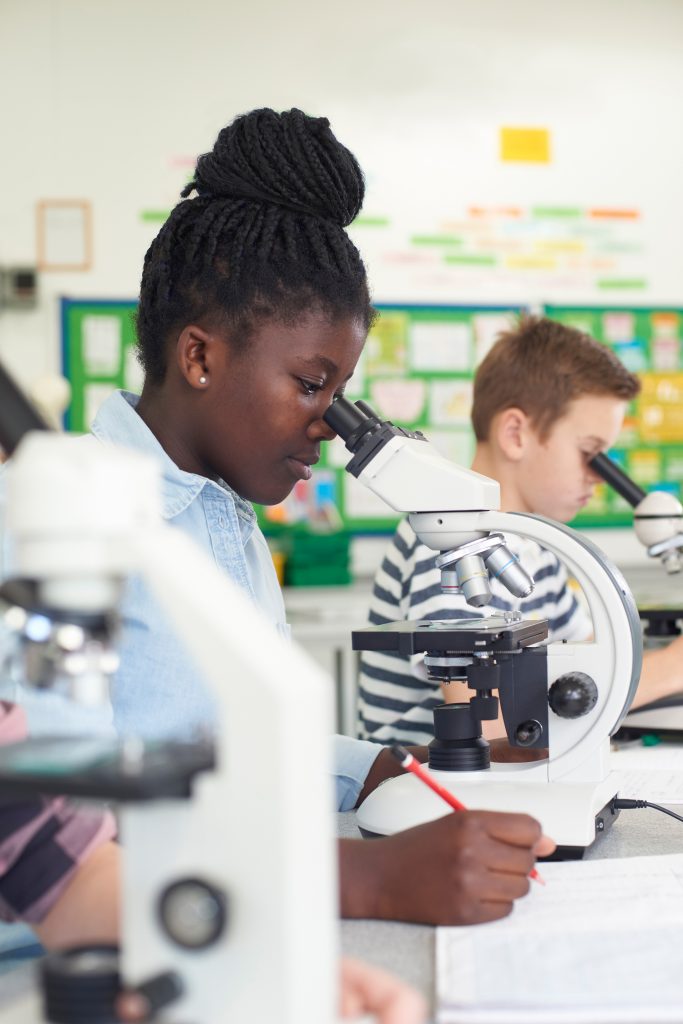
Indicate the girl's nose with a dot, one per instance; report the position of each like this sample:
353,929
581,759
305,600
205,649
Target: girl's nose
320,431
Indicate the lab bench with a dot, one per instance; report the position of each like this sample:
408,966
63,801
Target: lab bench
322,619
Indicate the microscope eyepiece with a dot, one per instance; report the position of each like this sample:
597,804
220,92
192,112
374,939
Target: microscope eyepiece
614,475
344,417
352,421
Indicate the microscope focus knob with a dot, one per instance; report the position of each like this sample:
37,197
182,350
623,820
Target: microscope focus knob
573,695
193,913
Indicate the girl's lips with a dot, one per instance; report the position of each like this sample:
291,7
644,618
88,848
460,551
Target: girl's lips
301,470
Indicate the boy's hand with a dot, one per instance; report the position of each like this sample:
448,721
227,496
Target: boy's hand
366,989
502,751
464,868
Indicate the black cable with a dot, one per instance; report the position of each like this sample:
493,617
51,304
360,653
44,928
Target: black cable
629,805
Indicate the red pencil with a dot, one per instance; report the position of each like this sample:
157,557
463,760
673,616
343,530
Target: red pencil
411,764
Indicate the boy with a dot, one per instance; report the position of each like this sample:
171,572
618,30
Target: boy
547,398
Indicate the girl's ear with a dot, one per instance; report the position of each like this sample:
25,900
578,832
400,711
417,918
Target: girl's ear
511,431
196,355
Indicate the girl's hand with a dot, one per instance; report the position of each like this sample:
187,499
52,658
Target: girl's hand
369,990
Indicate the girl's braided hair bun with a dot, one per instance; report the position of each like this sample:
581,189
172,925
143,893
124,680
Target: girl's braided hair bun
289,160
263,237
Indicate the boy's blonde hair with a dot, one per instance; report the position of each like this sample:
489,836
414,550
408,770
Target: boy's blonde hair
540,366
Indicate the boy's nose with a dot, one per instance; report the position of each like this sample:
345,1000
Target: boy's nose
593,478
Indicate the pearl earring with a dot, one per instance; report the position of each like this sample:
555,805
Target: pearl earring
202,380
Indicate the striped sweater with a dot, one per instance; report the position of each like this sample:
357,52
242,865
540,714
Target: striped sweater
396,699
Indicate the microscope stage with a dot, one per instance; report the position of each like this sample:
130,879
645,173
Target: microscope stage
494,634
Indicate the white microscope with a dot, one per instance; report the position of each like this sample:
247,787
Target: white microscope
657,515
567,697
658,525
229,893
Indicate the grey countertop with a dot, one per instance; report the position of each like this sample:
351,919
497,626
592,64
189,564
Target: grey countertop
408,950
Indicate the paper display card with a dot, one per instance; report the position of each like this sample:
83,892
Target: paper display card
64,230
487,329
101,345
387,345
441,347
619,327
601,941
398,400
450,402
455,445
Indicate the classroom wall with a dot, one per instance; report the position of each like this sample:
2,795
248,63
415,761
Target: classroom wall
111,102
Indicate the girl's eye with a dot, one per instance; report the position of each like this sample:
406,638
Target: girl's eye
310,387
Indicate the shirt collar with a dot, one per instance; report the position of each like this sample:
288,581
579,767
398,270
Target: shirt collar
118,423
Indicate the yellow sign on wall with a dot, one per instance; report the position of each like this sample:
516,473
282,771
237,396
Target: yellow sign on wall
660,408
525,145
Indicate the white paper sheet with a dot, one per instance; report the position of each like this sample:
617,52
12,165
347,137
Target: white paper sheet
650,773
601,941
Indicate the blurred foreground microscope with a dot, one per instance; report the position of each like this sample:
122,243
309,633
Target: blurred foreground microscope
222,879
567,697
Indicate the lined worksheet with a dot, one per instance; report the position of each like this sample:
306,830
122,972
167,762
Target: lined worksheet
602,941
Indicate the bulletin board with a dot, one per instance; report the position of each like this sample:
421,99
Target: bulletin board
650,446
417,370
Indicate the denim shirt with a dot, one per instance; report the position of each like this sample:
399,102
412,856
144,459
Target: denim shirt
158,692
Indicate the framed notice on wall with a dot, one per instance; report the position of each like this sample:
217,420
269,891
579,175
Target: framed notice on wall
64,234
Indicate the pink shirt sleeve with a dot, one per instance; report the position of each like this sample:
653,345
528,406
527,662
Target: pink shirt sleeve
42,840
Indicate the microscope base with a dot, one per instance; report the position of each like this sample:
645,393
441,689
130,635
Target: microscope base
569,812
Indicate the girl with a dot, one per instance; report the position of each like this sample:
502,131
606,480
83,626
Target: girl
254,309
